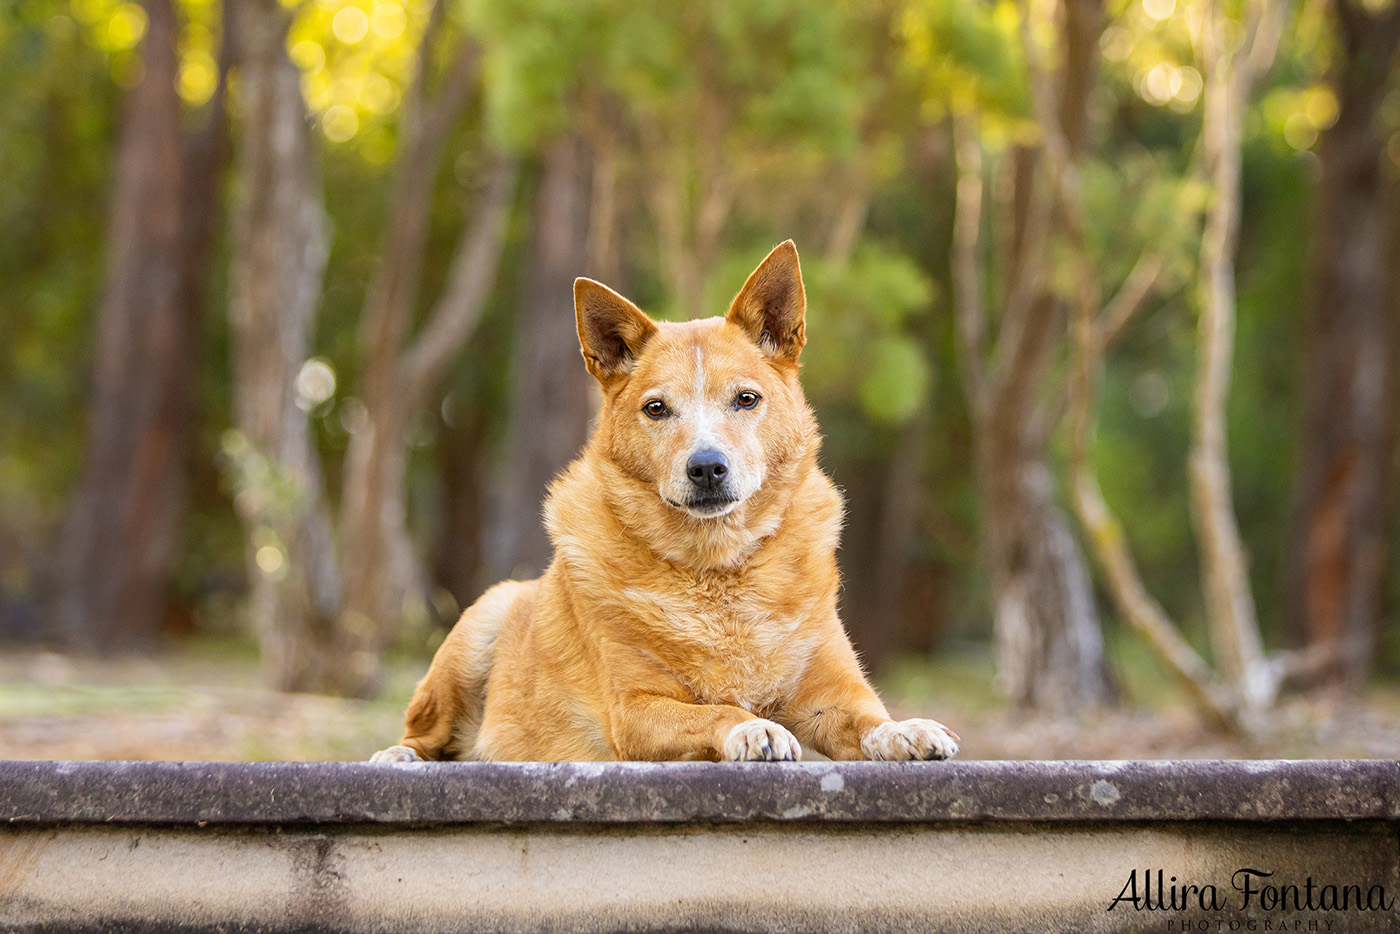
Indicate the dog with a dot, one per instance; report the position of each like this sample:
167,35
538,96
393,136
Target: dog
689,611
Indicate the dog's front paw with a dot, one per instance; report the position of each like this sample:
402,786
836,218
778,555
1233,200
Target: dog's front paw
909,739
760,741
396,754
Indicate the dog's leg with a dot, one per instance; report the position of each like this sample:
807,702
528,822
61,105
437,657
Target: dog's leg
431,722
837,712
655,727
918,738
446,708
434,713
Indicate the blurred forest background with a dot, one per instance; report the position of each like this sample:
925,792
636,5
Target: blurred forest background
1104,320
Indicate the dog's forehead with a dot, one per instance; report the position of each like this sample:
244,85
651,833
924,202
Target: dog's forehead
705,352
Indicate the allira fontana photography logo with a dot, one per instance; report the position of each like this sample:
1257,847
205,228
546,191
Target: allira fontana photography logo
1272,903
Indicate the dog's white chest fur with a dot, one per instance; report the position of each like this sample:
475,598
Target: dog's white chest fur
725,646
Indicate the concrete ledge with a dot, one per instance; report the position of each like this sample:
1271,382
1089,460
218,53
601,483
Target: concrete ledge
260,793
971,846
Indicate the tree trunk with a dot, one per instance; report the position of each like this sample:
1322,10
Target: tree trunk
1345,502
462,467
1234,627
862,480
551,398
384,578
280,248
891,600
120,538
1049,647
383,570
385,581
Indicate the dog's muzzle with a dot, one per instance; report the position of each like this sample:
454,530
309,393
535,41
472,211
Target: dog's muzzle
707,469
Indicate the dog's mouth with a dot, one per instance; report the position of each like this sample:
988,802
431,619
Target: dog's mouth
706,507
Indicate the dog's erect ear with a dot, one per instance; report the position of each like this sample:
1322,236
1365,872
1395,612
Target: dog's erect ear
611,330
772,306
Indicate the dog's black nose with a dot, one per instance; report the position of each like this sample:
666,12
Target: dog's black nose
707,469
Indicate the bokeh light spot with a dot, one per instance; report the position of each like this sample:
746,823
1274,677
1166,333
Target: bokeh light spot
315,383
1161,83
1158,9
350,25
1191,85
1299,132
1116,44
340,123
309,55
388,21
380,94
271,561
126,27
1320,104
199,76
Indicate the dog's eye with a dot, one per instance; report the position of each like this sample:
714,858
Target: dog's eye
656,409
746,399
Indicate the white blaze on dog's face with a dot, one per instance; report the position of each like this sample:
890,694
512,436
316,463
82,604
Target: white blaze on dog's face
702,410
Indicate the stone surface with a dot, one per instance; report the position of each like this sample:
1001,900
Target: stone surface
463,793
729,877
960,847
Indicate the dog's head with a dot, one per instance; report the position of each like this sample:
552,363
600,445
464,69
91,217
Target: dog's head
702,413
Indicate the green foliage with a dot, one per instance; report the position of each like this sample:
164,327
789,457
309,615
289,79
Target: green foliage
1139,204
357,57
1143,439
56,133
863,345
785,107
1266,400
1144,432
969,58
781,68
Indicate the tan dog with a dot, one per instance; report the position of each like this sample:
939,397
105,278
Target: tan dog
690,610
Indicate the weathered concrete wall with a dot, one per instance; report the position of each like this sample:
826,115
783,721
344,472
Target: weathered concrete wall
821,847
